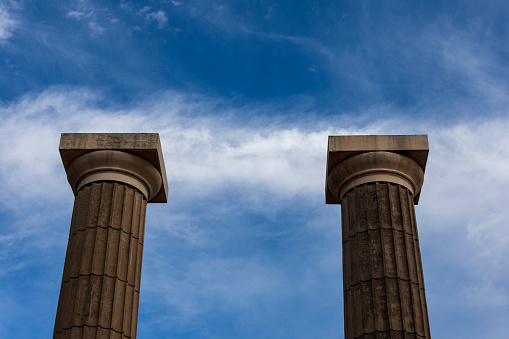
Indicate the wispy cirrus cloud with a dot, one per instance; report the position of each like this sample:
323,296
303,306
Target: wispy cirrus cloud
159,17
143,10
95,29
92,16
208,154
240,156
7,24
78,15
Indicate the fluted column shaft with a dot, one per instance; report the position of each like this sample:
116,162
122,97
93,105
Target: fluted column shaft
382,270
377,179
101,280
113,176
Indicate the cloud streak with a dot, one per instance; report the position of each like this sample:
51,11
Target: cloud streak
267,166
7,24
159,17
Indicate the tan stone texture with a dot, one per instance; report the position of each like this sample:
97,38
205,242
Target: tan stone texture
341,148
378,166
382,271
101,280
377,179
113,176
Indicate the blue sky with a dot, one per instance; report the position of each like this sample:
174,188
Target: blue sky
244,95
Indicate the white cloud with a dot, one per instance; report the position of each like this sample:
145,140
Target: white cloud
202,153
7,25
144,10
466,180
205,150
90,15
466,177
236,153
95,29
76,14
158,16
209,152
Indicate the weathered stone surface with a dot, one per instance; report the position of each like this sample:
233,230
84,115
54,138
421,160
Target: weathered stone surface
377,180
382,272
144,145
113,176
341,148
101,280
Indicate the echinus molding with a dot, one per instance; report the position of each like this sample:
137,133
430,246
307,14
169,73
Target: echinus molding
108,165
375,167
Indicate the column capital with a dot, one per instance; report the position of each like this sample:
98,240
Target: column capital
131,158
359,159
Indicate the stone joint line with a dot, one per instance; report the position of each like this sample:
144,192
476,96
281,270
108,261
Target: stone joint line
389,332
106,227
99,275
379,228
104,328
385,277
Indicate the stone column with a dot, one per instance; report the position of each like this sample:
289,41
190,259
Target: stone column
377,181
113,176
